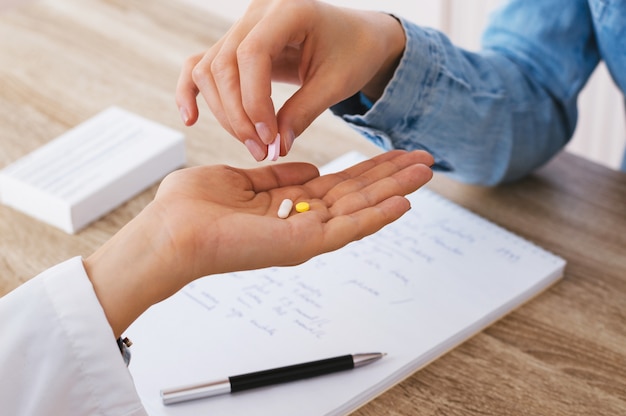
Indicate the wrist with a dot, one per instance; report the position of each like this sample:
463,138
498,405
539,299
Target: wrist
128,273
393,43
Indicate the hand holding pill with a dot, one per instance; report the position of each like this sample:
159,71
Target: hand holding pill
273,149
311,44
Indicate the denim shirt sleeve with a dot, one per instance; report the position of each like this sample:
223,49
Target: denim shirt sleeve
491,116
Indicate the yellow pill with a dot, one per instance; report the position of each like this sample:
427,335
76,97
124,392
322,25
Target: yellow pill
302,206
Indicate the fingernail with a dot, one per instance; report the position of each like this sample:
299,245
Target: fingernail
289,140
255,149
184,115
264,132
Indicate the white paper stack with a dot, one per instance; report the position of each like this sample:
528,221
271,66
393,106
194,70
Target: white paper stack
91,169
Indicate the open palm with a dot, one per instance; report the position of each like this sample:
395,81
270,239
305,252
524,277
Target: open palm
221,219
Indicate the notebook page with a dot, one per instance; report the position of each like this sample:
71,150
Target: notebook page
414,290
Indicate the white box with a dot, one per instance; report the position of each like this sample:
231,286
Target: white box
91,169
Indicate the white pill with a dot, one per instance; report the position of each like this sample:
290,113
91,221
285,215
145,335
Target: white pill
273,149
285,208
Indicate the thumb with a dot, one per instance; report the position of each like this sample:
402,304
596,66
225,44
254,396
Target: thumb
305,105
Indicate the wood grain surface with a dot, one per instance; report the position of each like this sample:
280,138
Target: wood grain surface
563,353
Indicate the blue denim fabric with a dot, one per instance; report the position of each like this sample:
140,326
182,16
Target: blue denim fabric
496,115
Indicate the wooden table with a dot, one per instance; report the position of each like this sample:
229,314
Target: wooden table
563,353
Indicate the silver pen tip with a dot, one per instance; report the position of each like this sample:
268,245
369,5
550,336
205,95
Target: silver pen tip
366,358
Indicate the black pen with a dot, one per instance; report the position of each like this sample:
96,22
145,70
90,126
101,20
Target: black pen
268,377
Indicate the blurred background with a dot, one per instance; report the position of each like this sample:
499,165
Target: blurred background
601,131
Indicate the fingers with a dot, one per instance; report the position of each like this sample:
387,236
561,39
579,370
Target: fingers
359,214
401,183
187,91
273,50
277,40
218,83
238,63
333,187
223,70
299,111
254,59
280,175
330,52
367,196
343,229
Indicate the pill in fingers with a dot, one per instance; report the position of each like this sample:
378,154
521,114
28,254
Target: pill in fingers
285,208
273,149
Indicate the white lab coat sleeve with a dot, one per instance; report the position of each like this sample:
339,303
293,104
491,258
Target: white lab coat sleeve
58,354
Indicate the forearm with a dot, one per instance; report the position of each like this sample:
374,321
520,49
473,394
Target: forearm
487,117
482,116
395,41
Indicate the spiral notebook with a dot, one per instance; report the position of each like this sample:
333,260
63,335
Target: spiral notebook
414,290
